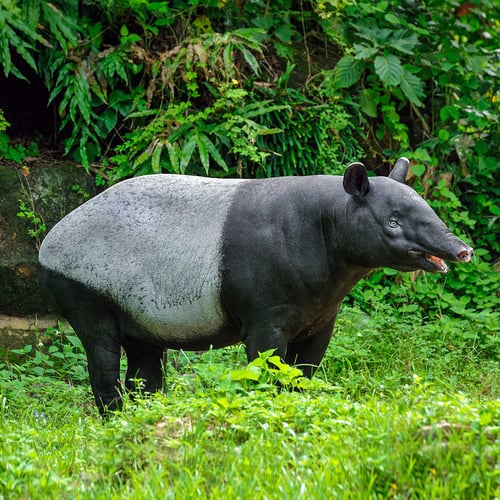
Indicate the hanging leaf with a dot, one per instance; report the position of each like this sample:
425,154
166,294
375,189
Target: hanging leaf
391,18
109,119
285,32
389,69
61,26
228,60
251,60
404,42
348,71
187,152
418,169
261,108
375,35
202,150
214,153
364,52
145,155
155,157
368,103
412,87
173,155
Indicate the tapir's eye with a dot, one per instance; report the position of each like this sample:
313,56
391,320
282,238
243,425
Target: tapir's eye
393,223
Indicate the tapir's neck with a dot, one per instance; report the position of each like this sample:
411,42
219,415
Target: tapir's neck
336,233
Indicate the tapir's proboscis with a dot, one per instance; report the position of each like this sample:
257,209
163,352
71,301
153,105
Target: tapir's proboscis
183,262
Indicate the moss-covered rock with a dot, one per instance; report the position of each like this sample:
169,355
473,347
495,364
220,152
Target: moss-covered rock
32,200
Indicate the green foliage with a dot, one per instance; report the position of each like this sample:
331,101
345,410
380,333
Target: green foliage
4,124
317,135
179,140
16,36
58,354
109,61
58,24
38,227
268,370
14,152
117,72
380,51
409,415
32,24
243,132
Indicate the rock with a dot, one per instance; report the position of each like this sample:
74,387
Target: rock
32,199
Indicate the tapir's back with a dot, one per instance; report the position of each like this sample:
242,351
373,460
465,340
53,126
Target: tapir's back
152,245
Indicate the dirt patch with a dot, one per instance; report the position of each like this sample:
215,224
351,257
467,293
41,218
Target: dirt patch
16,332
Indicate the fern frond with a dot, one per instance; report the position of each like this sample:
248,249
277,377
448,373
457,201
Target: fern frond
15,36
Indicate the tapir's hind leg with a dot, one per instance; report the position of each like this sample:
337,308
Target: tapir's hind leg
144,365
93,320
101,342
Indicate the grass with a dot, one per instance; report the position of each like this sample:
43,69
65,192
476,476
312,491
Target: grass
399,409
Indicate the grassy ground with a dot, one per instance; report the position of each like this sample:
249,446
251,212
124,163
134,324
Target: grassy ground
397,410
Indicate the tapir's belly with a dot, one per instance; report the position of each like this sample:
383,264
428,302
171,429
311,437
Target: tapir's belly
154,250
179,303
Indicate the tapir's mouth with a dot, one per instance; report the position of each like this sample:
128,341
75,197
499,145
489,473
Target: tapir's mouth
431,262
438,263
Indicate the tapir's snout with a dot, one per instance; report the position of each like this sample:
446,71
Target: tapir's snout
456,250
434,260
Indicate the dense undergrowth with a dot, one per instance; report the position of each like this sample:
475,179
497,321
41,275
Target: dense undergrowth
398,409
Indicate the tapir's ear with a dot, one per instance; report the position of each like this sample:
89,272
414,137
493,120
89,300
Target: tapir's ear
356,180
400,170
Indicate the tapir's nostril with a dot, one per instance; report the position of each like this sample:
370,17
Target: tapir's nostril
466,255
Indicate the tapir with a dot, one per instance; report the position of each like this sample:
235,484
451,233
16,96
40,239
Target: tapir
183,262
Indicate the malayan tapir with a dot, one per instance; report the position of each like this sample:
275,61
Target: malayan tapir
183,262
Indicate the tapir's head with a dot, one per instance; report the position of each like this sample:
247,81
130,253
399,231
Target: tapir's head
390,225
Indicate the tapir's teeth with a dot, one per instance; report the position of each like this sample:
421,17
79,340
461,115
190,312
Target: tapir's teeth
439,263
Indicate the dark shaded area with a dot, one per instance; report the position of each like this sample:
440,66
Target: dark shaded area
25,106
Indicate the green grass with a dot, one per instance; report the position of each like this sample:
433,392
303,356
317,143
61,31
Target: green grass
399,409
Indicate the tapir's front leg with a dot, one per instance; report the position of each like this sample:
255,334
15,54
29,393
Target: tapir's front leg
144,364
261,336
308,353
